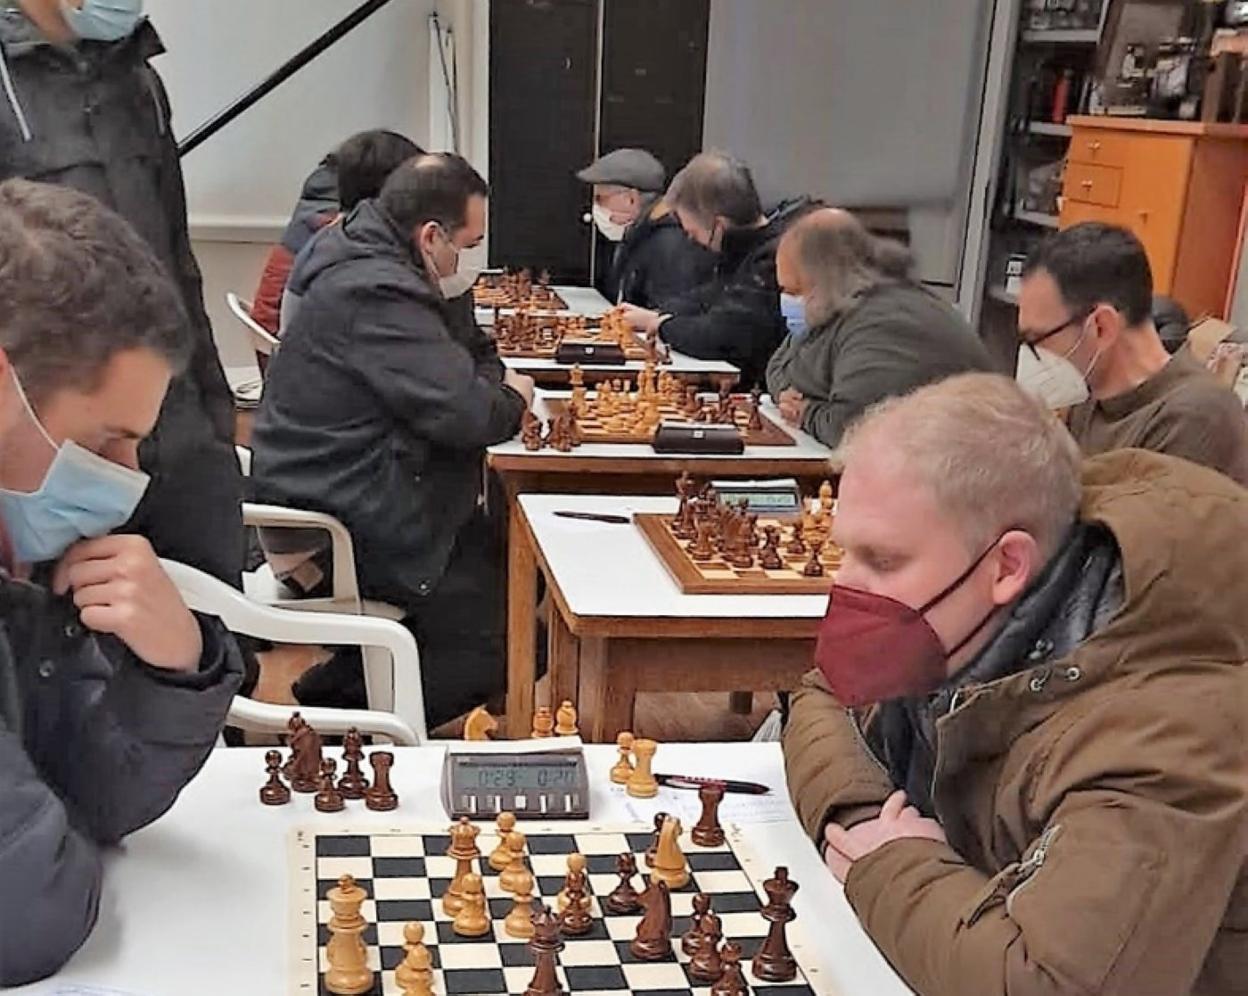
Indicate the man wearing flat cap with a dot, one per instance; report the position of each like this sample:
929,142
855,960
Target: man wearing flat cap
653,260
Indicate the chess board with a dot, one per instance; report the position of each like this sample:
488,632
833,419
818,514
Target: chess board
553,333
718,577
594,427
405,872
508,290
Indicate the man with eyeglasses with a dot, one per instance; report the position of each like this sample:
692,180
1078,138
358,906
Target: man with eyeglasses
1085,318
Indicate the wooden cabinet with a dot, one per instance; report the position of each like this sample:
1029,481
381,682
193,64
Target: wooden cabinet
1177,185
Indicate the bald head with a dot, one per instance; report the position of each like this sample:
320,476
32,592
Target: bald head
714,190
828,257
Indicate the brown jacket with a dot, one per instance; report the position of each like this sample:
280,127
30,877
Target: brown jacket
1096,806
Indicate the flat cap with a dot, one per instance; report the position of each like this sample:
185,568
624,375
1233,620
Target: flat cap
635,168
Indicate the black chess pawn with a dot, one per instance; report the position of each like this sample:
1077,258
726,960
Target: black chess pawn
274,792
353,784
814,566
796,546
624,899
706,965
328,799
691,939
732,981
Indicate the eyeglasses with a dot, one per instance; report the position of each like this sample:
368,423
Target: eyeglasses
1033,343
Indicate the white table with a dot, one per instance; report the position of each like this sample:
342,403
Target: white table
196,904
620,625
687,367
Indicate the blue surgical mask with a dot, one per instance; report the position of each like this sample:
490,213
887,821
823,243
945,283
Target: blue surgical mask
793,309
102,20
82,496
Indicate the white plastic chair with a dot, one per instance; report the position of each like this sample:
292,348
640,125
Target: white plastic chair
396,697
262,340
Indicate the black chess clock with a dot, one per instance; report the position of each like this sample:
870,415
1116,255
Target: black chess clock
541,785
779,498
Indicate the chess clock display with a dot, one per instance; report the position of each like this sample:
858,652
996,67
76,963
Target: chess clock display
549,785
777,497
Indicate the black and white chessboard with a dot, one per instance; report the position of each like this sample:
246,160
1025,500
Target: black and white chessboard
405,872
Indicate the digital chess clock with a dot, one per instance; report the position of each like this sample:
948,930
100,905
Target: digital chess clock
776,498
539,785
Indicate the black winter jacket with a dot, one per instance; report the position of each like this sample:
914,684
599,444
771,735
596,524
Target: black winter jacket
379,404
656,262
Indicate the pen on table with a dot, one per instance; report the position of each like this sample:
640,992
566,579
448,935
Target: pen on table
690,782
618,520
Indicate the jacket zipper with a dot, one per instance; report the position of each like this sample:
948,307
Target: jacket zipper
1013,878
10,92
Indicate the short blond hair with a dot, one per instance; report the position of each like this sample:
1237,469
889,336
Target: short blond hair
993,457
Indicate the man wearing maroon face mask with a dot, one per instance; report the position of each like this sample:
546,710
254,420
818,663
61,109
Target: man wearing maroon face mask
1025,747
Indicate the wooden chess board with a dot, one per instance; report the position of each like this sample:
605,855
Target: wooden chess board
718,577
405,872
509,290
595,427
553,331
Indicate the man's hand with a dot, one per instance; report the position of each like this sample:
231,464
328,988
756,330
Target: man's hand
642,319
522,384
792,406
120,588
896,821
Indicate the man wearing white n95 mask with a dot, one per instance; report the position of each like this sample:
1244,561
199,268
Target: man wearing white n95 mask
111,691
1088,340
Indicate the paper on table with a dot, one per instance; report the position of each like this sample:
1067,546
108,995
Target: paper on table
535,746
685,805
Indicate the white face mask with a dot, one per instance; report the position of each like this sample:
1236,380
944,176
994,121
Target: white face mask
467,267
1051,379
611,230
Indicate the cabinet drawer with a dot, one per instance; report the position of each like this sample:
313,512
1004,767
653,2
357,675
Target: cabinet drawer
1092,184
1098,147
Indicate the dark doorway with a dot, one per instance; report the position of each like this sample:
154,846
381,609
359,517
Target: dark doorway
543,74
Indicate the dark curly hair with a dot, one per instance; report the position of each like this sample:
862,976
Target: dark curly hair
77,286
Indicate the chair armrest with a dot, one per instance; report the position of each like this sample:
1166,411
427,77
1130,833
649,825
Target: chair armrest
265,717
345,586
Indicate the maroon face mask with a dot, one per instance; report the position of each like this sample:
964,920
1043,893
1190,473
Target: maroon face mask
872,648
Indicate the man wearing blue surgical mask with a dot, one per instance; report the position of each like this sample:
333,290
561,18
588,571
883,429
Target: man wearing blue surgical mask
111,691
82,107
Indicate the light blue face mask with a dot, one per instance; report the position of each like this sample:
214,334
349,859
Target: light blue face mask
793,309
82,496
102,20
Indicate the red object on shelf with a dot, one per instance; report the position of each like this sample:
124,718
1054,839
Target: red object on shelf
1061,97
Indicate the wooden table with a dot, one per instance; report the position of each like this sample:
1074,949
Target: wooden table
619,625
198,903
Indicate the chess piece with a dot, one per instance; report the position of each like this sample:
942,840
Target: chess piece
654,934
500,857
739,554
545,948
796,546
580,396
531,431
707,832
565,721
352,784
825,497
701,548
274,792
465,851
642,784
380,797
519,921
415,973
814,567
756,415
670,866
293,726
479,725
731,982
510,878
774,962
543,723
691,939
769,558
573,884
348,973
328,799
705,965
305,746
623,899
472,919
622,770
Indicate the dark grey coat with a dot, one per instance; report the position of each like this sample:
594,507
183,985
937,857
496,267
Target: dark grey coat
96,117
93,745
895,338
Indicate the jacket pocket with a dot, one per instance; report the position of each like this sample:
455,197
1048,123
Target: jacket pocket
1011,879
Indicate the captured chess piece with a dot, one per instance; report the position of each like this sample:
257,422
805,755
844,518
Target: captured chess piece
545,948
415,973
774,962
654,934
642,783
465,851
623,900
380,796
574,886
472,919
531,431
352,784
328,799
274,792
519,921
565,720
511,876
479,725
543,723
691,939
814,566
670,866
707,832
622,770
705,966
732,981
500,857
348,973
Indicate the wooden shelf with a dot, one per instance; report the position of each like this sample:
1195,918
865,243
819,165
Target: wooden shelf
1036,218
1063,36
1000,294
1050,129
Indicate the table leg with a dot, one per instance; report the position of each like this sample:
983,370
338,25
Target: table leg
607,694
562,659
521,623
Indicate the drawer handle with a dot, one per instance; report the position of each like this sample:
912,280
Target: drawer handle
1086,184
1094,146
